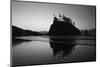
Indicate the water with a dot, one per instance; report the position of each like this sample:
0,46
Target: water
30,50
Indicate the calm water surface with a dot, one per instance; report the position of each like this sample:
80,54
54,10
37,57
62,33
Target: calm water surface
44,49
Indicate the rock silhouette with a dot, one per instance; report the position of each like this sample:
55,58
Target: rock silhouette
63,26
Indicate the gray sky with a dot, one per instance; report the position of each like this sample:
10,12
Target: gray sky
39,16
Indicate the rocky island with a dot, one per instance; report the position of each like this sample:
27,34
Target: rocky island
63,26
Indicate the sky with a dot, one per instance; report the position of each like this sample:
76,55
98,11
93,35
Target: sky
39,16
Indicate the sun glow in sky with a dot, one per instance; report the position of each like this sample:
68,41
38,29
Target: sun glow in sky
39,16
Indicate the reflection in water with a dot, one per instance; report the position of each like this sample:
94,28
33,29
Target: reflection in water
18,41
63,48
39,50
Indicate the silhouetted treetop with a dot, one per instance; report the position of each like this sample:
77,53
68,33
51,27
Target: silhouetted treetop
63,18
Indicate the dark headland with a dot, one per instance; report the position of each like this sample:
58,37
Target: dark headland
16,31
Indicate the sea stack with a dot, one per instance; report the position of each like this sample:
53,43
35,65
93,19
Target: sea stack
63,26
